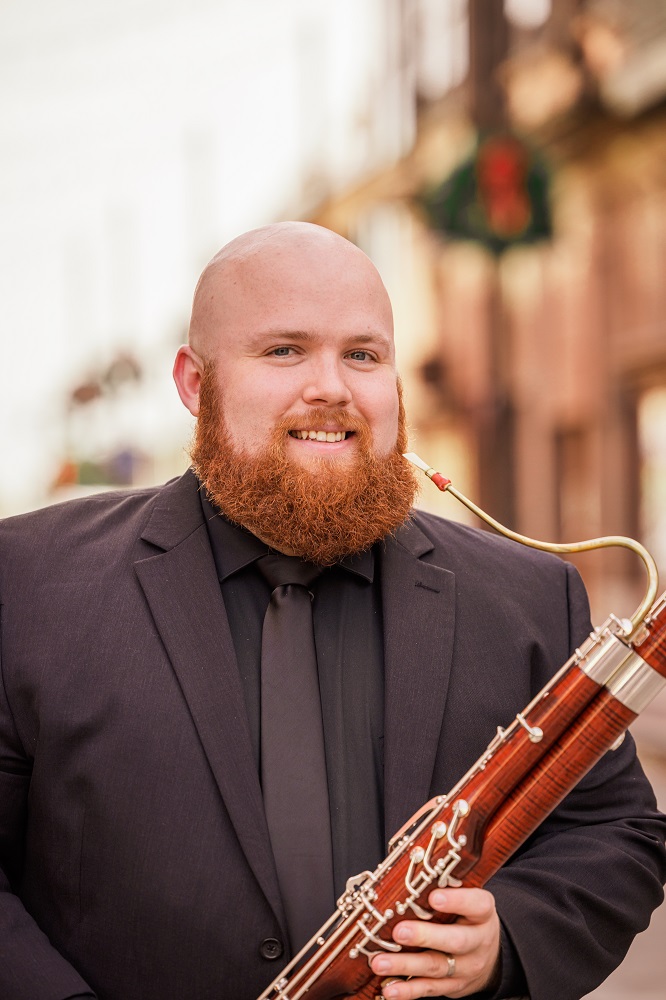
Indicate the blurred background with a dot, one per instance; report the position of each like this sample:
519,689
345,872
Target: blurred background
503,162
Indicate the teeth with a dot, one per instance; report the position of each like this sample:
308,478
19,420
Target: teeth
329,436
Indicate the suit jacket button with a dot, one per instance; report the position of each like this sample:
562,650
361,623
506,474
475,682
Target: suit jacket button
271,948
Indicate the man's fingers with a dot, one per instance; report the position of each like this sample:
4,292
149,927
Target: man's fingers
475,909
474,905
415,989
428,964
455,959
425,974
454,939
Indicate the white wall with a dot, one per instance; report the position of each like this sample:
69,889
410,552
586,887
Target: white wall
136,137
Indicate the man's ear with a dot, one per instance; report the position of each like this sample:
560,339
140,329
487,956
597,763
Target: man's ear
187,371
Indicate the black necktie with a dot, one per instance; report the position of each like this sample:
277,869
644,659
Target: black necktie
293,764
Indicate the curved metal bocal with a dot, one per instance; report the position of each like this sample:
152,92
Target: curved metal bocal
630,625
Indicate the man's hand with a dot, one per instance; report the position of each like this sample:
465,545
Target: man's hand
473,942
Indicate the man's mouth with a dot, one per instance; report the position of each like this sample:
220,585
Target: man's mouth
330,436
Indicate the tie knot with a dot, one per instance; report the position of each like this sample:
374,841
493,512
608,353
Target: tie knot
279,570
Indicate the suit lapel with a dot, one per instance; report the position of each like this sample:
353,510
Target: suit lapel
418,601
183,592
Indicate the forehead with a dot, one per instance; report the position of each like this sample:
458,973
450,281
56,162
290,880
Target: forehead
307,291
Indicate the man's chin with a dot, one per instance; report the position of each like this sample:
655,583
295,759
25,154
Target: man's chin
318,460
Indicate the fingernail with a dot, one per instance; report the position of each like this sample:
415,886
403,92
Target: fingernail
438,898
390,991
402,933
381,965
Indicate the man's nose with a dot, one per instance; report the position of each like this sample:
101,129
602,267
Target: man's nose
326,385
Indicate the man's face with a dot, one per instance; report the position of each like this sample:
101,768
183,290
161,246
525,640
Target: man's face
299,417
303,347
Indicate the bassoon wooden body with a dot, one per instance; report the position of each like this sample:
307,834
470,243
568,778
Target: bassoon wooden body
464,837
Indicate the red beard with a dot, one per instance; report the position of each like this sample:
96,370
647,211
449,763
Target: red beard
321,513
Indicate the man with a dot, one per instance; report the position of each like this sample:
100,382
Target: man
137,814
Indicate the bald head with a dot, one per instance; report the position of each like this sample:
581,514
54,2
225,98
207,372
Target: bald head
295,324
309,259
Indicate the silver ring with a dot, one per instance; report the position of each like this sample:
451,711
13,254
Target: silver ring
451,971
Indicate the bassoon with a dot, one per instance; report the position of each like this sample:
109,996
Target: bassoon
463,838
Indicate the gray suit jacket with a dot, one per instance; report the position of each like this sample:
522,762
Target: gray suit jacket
134,850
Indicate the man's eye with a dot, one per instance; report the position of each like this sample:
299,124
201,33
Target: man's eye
281,352
360,356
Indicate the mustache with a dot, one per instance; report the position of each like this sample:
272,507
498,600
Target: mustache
320,418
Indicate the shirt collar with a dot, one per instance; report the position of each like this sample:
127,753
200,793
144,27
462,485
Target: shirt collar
234,547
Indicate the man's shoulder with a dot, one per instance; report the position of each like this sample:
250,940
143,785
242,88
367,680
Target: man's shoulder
459,544
494,572
114,512
79,509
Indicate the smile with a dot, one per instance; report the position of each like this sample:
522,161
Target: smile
330,436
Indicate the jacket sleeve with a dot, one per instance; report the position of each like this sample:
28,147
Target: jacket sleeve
30,968
585,883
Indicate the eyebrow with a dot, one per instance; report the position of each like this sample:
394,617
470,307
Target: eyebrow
307,336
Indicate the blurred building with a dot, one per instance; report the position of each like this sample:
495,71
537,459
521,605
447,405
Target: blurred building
523,239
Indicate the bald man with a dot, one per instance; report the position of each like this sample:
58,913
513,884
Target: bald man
138,853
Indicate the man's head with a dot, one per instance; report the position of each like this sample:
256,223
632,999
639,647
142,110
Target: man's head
290,369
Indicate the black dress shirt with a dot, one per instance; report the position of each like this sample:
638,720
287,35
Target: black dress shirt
349,645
